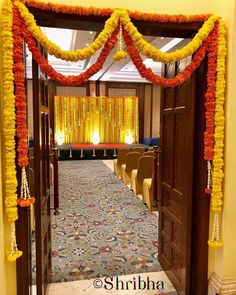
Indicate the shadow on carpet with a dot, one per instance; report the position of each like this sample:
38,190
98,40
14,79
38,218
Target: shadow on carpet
102,229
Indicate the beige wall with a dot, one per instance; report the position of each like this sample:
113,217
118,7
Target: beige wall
152,98
223,260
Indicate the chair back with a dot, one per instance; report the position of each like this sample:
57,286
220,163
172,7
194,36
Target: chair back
132,159
121,156
145,168
138,149
148,153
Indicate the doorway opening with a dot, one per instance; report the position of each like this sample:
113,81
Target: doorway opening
176,111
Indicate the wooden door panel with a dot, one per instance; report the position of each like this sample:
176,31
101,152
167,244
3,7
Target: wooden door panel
42,180
178,171
177,129
167,154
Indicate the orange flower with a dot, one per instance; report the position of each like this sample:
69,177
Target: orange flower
148,74
18,69
54,75
106,12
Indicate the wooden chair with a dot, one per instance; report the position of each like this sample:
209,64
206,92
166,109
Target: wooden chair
148,153
145,167
121,158
138,149
147,193
132,159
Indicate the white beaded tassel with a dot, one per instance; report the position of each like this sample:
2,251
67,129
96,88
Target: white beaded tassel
14,252
13,239
24,194
215,238
209,176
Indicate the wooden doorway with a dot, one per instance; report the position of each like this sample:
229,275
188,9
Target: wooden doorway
195,231
180,177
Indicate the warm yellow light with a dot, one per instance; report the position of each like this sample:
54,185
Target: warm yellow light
129,138
96,137
60,138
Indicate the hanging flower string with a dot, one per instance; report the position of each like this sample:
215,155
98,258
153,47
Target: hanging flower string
218,162
68,80
148,74
21,127
210,107
137,15
121,15
9,128
120,53
53,49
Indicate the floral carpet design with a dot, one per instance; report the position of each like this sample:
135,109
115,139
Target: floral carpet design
102,229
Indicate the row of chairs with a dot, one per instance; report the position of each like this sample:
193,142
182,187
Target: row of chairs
135,168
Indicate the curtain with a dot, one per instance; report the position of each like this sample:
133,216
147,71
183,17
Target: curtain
96,119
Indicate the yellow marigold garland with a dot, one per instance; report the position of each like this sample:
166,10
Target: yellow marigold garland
119,14
55,50
156,54
218,162
9,127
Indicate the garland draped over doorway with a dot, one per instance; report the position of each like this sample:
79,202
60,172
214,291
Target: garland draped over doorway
93,119
19,25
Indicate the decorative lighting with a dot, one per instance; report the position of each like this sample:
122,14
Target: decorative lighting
60,138
90,32
129,138
96,137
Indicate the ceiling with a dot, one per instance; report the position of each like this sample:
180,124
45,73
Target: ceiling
123,70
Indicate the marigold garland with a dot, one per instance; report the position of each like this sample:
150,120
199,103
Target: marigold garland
21,104
148,74
156,54
210,107
105,12
9,127
218,162
68,80
55,50
119,14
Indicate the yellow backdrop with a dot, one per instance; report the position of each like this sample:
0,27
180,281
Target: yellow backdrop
96,119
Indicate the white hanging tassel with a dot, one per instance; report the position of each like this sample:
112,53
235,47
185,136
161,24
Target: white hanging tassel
208,189
120,53
25,199
215,240
14,252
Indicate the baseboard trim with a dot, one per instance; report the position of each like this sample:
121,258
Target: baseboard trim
218,286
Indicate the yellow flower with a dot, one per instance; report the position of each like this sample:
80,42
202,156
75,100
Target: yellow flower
156,54
10,196
55,50
120,55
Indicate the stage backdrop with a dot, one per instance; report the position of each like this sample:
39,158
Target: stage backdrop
96,119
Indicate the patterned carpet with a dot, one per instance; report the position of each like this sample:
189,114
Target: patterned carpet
102,229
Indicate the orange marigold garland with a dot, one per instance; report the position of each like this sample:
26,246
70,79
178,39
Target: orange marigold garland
148,74
106,12
21,127
210,106
68,80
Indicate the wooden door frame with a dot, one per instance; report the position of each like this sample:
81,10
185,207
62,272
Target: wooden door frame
199,251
